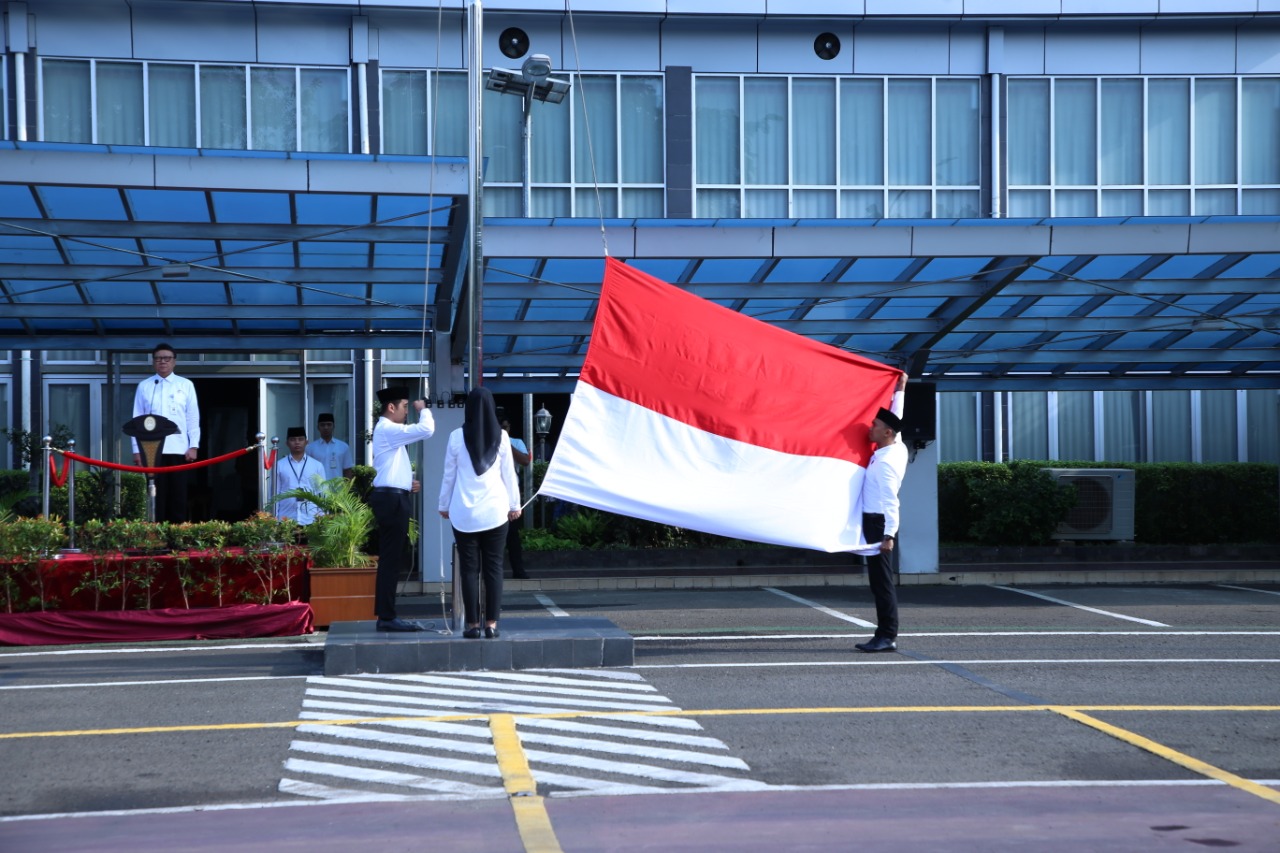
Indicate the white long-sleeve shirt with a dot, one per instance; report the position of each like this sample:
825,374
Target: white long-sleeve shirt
175,399
389,455
307,473
477,502
885,472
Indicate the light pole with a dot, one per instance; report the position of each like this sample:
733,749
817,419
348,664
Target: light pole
542,426
533,82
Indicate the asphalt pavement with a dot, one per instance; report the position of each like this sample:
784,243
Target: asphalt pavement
1060,716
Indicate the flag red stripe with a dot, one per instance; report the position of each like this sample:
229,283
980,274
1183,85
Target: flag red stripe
666,350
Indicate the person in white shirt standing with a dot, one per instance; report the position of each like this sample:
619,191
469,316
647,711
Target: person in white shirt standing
390,499
169,395
480,497
880,516
298,470
333,453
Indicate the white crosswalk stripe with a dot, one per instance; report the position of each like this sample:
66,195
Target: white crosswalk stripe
453,757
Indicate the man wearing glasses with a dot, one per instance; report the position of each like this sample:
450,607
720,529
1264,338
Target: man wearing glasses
173,397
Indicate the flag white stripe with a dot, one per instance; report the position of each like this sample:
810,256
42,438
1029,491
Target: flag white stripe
676,474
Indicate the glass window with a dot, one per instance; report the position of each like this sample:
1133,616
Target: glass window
172,105
1218,426
958,426
851,147
69,406
1260,131
1122,432
120,111
1263,427
66,107
583,156
273,96
222,107
324,110
813,132
1028,132
1075,133
1215,136
1028,425
1121,132
862,135
1168,131
1171,426
1075,425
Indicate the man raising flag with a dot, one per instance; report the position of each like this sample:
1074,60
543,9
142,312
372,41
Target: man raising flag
690,414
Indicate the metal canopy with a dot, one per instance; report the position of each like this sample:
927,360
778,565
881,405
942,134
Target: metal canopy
103,247
1087,304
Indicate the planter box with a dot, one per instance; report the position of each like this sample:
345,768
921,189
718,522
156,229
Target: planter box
342,594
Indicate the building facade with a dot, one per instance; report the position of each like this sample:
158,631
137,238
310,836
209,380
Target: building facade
912,112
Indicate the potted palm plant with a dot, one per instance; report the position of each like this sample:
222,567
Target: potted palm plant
342,575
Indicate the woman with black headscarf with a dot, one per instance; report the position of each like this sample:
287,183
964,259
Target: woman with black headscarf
479,495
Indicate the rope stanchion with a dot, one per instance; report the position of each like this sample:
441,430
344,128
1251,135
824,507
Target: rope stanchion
141,469
59,479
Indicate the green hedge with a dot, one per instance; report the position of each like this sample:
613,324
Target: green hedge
92,495
1175,503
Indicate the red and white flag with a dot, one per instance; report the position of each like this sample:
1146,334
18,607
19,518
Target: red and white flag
690,414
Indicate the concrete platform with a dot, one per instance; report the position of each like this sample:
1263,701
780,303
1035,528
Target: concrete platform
526,642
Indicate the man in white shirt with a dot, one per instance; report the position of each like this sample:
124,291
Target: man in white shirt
880,515
298,470
515,552
332,453
390,497
173,397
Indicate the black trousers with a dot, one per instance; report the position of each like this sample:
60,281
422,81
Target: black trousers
392,509
880,578
514,549
171,490
480,555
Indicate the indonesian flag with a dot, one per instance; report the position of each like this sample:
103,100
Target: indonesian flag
693,415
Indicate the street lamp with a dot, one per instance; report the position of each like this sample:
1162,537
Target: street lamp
542,426
533,82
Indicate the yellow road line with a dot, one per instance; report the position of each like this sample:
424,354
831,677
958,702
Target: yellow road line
532,820
704,712
1193,764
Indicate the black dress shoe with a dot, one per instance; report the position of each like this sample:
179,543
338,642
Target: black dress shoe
877,644
398,625
472,633
491,632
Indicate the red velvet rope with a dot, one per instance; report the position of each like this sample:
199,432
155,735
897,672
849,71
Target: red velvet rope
140,469
270,461
58,479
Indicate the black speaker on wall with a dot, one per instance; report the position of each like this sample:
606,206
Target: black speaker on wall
920,412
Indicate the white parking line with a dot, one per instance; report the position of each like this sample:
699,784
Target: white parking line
1248,589
896,660
727,637
821,608
546,602
1080,606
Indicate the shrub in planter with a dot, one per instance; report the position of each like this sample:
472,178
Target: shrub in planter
337,537
24,542
1021,505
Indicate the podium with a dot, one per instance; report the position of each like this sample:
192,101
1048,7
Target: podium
150,431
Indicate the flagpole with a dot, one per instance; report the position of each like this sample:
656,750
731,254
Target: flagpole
475,145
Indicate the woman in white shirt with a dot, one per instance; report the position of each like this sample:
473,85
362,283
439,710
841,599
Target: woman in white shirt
479,495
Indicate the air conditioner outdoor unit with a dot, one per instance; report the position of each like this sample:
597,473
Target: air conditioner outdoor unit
1104,503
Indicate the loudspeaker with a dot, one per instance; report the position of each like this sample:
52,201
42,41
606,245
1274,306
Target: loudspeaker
514,42
920,412
827,46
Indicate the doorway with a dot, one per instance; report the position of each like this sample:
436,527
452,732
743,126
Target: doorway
229,415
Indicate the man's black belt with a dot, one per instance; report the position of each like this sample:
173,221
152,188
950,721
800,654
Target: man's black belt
391,490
